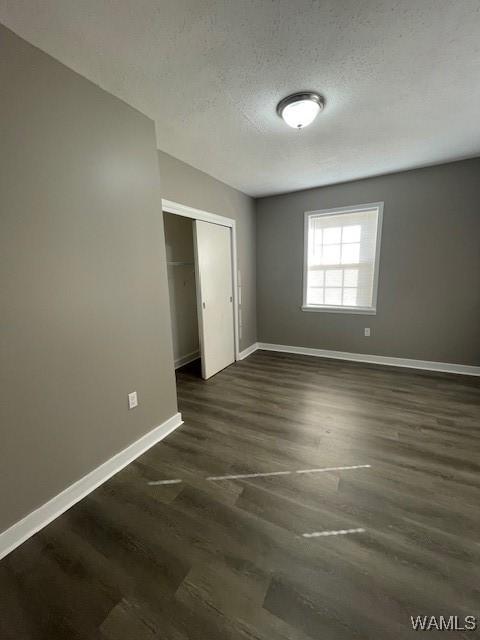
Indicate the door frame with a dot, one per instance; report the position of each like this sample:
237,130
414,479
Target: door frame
197,214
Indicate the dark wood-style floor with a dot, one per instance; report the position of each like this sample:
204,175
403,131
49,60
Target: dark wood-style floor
219,560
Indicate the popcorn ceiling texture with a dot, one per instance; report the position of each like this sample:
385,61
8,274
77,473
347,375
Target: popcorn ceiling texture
400,79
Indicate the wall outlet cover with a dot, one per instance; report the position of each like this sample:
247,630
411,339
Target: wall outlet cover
132,400
367,331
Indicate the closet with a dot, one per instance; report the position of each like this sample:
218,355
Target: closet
200,281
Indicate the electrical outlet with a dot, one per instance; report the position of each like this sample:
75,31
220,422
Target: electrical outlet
132,400
367,332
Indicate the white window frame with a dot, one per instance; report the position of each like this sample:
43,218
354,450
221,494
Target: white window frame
372,310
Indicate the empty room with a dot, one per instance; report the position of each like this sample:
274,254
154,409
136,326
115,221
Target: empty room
240,319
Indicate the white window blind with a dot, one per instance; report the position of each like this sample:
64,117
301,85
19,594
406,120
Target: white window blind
341,259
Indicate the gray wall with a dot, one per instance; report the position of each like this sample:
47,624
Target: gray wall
85,311
429,285
181,285
182,183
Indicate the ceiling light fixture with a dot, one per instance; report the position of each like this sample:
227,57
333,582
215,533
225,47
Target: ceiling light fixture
300,109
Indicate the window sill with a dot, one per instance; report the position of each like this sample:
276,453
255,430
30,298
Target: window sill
361,310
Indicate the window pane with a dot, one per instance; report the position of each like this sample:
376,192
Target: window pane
350,297
317,236
332,235
315,257
350,253
333,296
333,278
351,233
350,278
315,278
315,296
341,259
331,254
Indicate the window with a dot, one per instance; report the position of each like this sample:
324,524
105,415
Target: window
342,249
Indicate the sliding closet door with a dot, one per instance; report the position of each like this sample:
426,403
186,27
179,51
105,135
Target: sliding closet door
213,265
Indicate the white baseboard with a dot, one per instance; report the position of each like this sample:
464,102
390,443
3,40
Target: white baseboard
190,357
248,351
36,520
427,365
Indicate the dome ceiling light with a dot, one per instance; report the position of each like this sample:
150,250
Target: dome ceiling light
300,109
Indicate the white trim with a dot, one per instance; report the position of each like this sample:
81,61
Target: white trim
331,309
36,520
428,365
248,351
337,211
236,313
350,209
183,360
197,214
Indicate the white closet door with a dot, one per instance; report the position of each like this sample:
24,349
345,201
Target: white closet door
213,266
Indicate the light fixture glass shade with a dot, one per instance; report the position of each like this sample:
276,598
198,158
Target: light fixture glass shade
300,114
300,109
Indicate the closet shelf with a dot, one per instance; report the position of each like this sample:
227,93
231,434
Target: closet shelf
180,264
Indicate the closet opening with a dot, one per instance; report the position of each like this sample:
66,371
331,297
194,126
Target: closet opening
201,266
182,291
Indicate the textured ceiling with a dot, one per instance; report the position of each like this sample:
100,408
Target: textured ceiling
401,79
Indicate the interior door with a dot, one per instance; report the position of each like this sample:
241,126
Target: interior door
213,270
